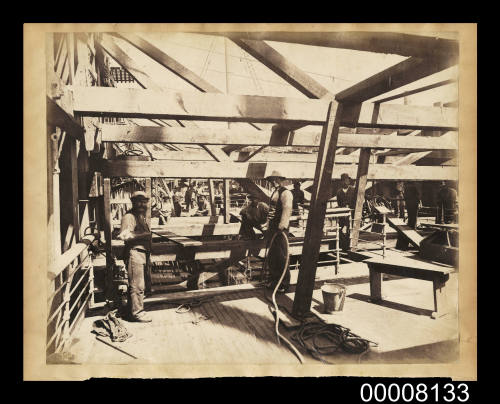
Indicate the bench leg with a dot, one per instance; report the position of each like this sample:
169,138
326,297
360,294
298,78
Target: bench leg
441,304
375,285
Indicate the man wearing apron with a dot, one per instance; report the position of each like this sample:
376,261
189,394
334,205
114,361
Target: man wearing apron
281,209
135,233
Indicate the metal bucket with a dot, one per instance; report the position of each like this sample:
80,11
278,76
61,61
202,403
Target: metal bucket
333,297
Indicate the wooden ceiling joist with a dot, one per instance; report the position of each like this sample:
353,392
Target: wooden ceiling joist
137,103
212,169
156,134
380,42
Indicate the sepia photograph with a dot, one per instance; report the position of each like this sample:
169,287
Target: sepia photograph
250,200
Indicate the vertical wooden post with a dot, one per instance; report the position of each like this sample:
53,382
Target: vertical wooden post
74,189
211,191
107,235
148,194
361,177
227,201
70,39
320,194
53,197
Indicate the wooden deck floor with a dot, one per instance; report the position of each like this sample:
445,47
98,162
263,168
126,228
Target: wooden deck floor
237,327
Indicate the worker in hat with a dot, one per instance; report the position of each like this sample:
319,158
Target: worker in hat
281,204
136,234
345,199
446,204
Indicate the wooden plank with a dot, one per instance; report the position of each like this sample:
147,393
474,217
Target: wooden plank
253,189
250,137
57,116
141,103
297,170
396,76
198,230
181,240
188,221
320,194
381,42
361,177
402,228
227,200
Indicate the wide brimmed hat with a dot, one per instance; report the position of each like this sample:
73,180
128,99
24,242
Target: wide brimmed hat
275,174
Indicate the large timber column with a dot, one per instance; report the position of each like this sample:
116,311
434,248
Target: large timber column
108,229
361,177
53,198
320,194
227,201
211,191
148,194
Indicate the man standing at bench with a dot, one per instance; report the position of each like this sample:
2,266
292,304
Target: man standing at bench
135,233
345,199
281,203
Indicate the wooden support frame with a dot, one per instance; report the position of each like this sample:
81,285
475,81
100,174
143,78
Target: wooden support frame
361,178
320,194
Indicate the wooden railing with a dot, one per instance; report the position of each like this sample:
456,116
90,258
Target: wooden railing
71,288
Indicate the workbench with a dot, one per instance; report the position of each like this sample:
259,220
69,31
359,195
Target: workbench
411,267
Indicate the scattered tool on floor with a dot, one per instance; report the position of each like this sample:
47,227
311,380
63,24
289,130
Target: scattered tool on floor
115,347
187,305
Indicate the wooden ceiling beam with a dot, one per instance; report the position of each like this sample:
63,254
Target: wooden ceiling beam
379,42
138,103
220,170
157,134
